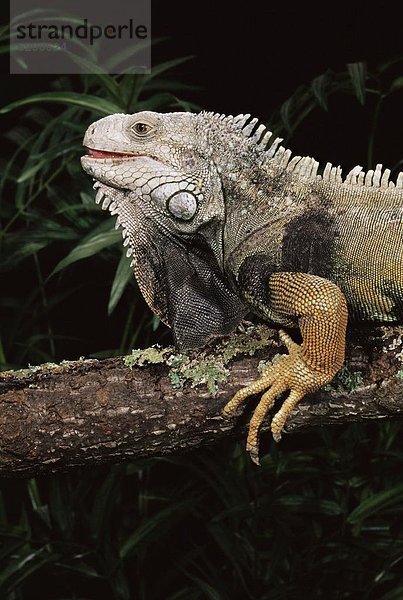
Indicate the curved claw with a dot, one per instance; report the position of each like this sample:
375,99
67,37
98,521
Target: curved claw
279,419
253,453
291,373
265,404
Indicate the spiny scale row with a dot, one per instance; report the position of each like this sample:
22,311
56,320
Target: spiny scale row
111,205
306,166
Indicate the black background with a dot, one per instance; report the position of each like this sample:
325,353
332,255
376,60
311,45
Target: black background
251,56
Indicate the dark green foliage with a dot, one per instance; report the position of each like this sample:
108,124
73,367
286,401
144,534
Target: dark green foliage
323,517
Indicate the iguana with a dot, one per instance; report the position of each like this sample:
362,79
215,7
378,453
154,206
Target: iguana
221,222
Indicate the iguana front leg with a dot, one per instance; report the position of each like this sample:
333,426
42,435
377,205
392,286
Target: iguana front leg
320,309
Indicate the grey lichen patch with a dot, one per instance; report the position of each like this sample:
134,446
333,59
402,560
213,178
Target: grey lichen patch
82,359
266,364
395,344
345,381
247,342
209,367
263,365
24,373
208,370
150,356
30,370
43,368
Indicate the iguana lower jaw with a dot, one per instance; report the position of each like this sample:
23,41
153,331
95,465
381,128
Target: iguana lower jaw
119,170
96,153
96,161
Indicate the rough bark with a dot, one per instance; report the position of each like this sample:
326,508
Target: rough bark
90,412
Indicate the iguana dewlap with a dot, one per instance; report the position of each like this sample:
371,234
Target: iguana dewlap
219,225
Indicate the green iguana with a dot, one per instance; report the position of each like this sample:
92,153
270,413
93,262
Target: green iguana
220,224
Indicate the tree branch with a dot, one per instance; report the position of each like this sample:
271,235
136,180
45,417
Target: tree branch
90,412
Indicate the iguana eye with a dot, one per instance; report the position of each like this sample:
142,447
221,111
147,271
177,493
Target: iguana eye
141,128
182,205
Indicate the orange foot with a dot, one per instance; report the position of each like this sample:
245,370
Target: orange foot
290,373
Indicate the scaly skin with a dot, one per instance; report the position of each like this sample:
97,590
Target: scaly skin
219,225
322,316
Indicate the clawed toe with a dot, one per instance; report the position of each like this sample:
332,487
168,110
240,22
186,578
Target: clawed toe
291,374
253,452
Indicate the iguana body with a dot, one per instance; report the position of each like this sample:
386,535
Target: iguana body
218,225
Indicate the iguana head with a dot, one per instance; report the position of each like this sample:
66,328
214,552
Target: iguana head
157,173
162,162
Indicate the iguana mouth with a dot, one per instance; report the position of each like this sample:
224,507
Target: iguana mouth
94,153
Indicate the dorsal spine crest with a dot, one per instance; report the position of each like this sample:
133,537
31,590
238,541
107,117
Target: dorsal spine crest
259,136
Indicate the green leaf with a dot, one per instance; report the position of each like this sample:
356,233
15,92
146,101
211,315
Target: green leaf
166,66
319,87
376,503
104,502
208,591
22,244
285,113
397,84
309,505
147,528
13,575
82,568
92,103
92,244
155,322
161,68
395,594
358,72
28,173
123,275
60,504
114,62
10,547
